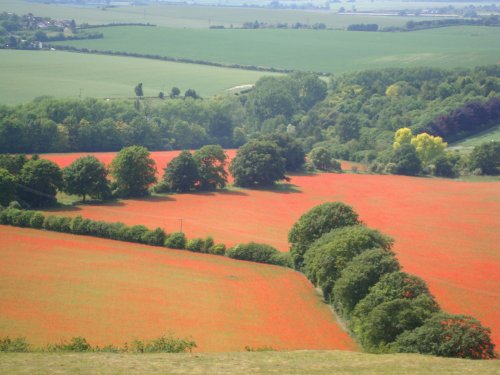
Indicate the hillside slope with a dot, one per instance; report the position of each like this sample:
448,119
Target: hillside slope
55,286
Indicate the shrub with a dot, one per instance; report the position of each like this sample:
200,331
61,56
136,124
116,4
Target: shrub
57,224
76,344
80,225
218,249
154,237
17,345
448,336
255,252
37,220
196,244
169,344
207,244
176,240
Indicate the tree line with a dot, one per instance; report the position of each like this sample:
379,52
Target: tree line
354,117
386,309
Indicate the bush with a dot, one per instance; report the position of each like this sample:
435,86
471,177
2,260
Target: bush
448,336
80,225
57,224
196,244
37,220
169,344
17,345
208,243
154,237
76,344
176,240
218,249
255,252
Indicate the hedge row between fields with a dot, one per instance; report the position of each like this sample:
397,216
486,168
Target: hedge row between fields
78,225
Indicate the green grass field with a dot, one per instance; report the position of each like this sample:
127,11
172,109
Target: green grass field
299,362
489,135
197,16
310,50
24,75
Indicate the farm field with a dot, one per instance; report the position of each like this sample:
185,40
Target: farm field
309,50
55,286
198,16
296,362
489,135
29,74
446,231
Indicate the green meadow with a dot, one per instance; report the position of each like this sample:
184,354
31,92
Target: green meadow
24,75
197,16
268,362
489,135
309,50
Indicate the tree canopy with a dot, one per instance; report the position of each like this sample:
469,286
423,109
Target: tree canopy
39,181
182,174
258,163
133,171
86,176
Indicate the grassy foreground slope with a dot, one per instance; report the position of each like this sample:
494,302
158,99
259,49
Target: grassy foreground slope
309,50
24,75
194,16
298,362
55,286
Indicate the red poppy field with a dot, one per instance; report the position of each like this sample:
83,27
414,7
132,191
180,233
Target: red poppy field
55,286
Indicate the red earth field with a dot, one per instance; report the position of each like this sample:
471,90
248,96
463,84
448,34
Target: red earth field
55,286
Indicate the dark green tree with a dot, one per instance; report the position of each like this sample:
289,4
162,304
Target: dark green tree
133,171
486,157
258,163
7,187
329,255
388,320
175,92
405,161
322,159
39,181
291,150
86,176
182,174
138,90
211,161
190,93
359,276
317,222
448,335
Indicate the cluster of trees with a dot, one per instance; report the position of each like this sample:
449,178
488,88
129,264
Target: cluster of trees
491,20
205,170
426,154
386,309
471,118
363,27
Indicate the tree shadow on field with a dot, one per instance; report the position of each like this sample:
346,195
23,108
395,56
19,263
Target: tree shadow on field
284,188
153,198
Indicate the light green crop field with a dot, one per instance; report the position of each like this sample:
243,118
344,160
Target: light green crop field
196,16
309,50
489,135
299,362
24,75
